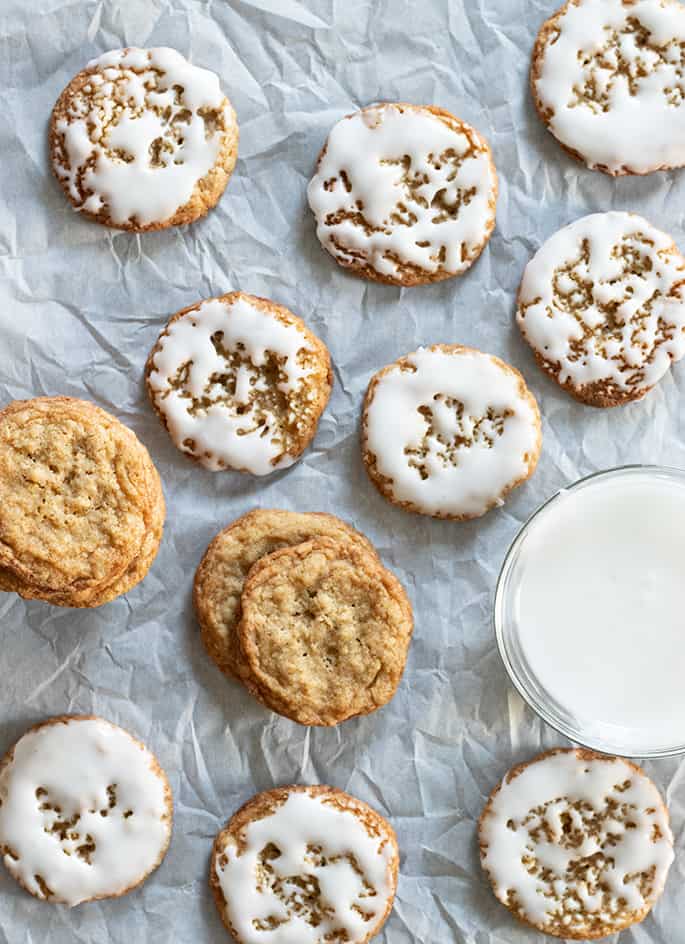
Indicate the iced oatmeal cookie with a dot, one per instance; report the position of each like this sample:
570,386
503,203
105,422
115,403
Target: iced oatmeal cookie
141,140
85,810
404,194
576,844
449,431
305,864
240,383
602,304
608,80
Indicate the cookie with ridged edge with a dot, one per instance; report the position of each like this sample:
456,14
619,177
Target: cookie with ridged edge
449,431
239,382
318,830
605,80
81,838
221,575
142,139
602,305
325,630
75,495
404,194
576,844
136,571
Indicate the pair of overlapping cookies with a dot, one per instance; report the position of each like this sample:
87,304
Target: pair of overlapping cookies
299,608
86,813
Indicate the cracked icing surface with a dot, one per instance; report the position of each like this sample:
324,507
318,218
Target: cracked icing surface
135,135
449,431
240,383
602,305
85,810
404,193
325,630
576,844
304,865
608,80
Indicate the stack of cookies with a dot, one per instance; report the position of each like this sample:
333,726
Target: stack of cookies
299,608
81,503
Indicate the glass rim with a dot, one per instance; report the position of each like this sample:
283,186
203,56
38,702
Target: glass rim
539,708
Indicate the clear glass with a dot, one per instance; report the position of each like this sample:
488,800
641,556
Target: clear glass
606,737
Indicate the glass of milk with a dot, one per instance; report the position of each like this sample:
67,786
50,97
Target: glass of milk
590,611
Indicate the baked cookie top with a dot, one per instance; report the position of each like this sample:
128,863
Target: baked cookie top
448,431
404,194
325,630
602,304
135,572
221,576
142,139
240,383
608,80
85,810
304,864
576,844
74,494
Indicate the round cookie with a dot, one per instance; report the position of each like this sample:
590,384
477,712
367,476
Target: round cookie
576,844
136,571
602,304
75,499
607,81
404,194
85,810
305,864
221,576
240,383
325,630
448,431
141,140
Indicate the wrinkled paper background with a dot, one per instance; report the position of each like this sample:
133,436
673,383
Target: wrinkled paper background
80,308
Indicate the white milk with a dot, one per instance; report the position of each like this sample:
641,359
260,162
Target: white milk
599,608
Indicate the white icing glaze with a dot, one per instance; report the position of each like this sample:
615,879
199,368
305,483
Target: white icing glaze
555,782
221,435
606,560
137,102
403,183
75,764
304,821
625,327
472,456
632,119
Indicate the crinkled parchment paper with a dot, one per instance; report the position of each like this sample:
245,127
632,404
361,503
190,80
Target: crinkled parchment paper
80,308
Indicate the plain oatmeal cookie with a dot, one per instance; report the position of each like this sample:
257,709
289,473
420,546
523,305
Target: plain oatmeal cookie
608,80
135,572
576,844
602,304
85,810
240,383
306,864
78,495
404,194
141,140
325,631
221,576
449,431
